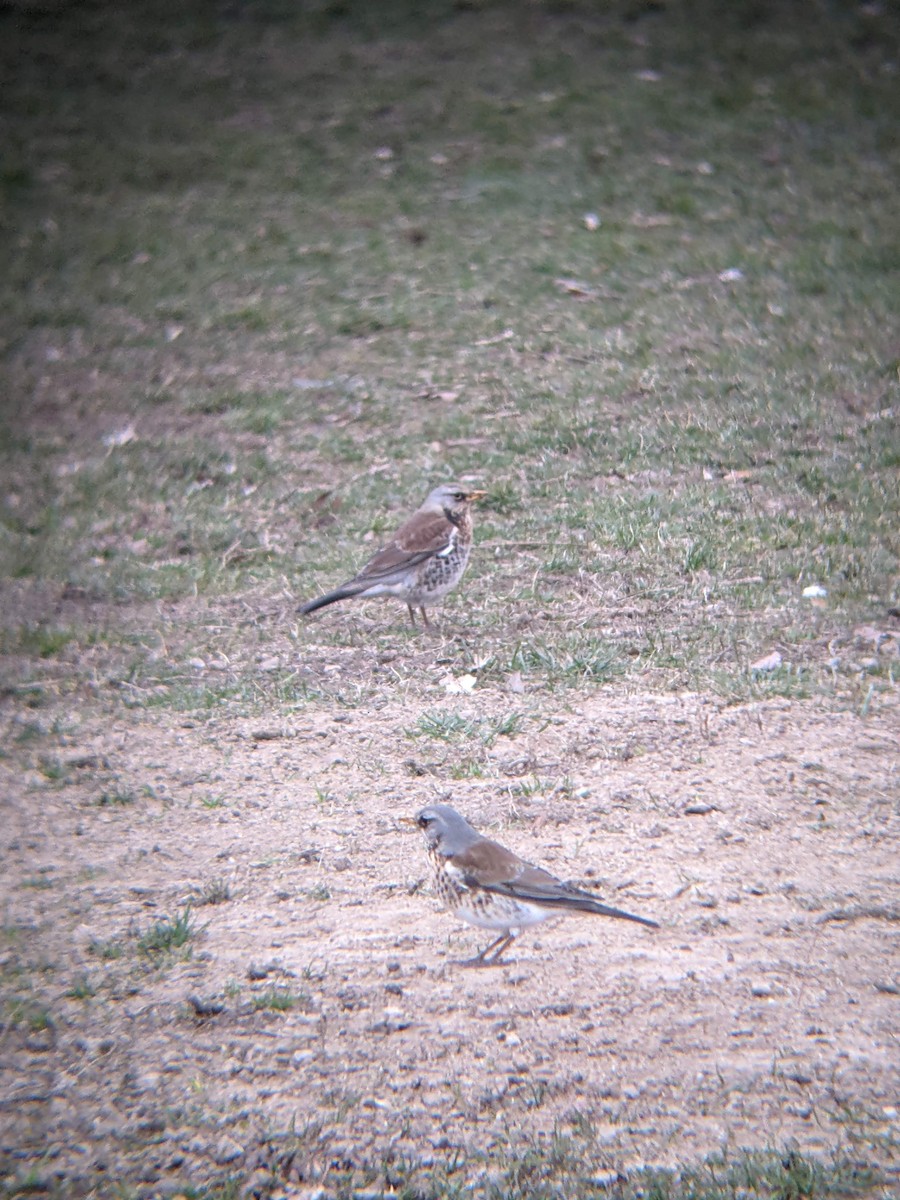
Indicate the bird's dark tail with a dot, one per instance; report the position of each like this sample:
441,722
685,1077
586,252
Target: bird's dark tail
341,593
604,910
581,902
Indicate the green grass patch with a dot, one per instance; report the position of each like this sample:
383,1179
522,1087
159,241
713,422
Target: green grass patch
724,317
81,989
116,797
40,882
168,934
569,1164
108,950
575,658
278,999
29,1014
40,641
215,891
53,769
448,726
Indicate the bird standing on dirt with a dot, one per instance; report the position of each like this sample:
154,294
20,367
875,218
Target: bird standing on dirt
487,885
424,560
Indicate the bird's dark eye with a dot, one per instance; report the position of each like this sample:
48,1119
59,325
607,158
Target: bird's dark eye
423,821
459,497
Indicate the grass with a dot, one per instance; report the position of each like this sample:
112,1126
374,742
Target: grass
575,658
27,1013
449,726
570,1164
108,950
53,769
277,999
167,934
214,891
39,882
82,989
41,641
116,797
669,431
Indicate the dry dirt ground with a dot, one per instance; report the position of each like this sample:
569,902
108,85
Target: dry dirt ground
762,838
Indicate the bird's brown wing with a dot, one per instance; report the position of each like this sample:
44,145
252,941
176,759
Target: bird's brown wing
492,867
489,865
421,537
540,887
533,883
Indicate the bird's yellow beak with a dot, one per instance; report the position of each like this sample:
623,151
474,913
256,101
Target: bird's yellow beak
476,495
407,821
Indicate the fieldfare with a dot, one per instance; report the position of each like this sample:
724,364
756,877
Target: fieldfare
487,885
424,560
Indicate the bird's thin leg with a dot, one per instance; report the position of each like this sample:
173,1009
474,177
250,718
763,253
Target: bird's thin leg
485,958
425,618
504,943
412,615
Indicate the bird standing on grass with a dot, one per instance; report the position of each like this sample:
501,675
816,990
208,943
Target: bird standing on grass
423,561
487,885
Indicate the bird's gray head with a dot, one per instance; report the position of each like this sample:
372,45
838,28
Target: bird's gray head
445,830
451,498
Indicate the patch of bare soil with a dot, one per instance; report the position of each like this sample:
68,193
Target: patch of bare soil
762,838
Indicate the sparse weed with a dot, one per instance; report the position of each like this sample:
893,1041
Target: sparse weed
443,725
579,659
169,933
341,1103
30,1014
530,786
81,989
502,499
41,881
107,950
699,556
741,687
44,641
757,1175
449,726
466,768
230,1188
31,731
53,769
116,797
278,999
216,891
504,726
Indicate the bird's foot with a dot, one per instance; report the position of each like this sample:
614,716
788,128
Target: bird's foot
479,961
491,955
